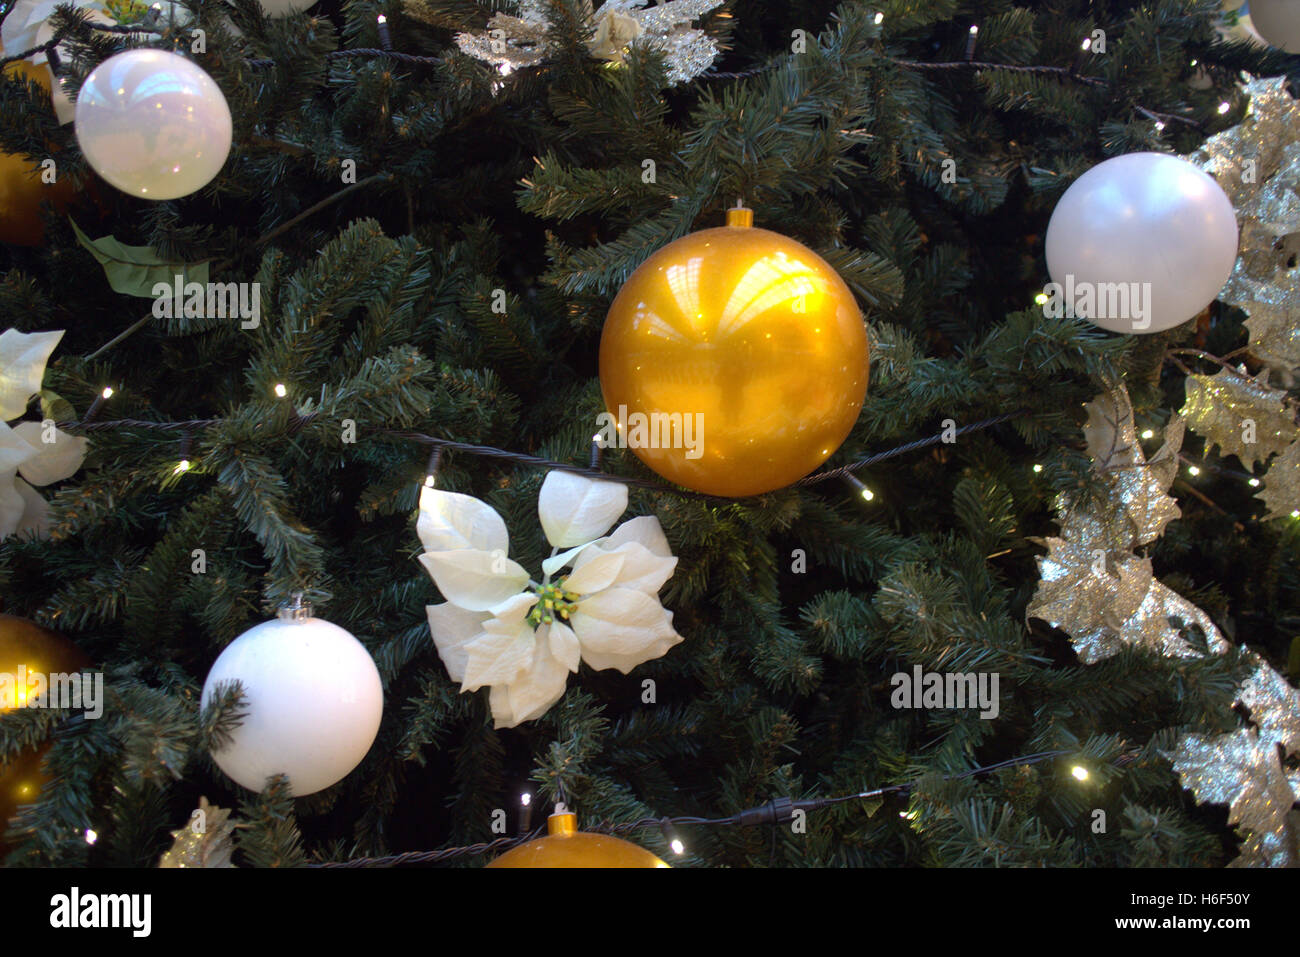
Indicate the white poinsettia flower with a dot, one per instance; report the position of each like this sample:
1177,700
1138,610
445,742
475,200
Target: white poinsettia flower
31,453
24,452
22,367
522,638
27,26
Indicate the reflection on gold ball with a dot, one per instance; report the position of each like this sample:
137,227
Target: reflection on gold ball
21,188
566,846
37,649
734,360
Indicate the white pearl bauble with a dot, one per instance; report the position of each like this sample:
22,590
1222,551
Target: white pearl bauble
1278,22
153,124
313,702
283,8
1152,222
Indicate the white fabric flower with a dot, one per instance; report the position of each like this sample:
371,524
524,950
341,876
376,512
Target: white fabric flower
24,449
27,26
521,638
24,453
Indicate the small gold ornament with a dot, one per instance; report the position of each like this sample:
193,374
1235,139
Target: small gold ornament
22,185
566,846
27,649
734,360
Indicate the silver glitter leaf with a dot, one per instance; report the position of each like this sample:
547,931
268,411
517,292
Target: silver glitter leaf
511,43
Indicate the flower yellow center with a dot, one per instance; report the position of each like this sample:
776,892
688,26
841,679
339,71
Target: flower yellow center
553,602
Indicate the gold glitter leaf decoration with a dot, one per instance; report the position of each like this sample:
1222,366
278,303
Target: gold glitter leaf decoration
206,841
1281,491
1242,416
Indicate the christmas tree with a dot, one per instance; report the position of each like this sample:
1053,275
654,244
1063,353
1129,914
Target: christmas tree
1036,602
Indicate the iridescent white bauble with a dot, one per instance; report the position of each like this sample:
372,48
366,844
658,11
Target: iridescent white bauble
1141,243
153,124
1278,22
313,702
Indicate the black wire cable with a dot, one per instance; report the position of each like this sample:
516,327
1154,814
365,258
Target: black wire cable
776,811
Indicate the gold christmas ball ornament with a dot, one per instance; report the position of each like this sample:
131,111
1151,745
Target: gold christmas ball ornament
733,361
22,187
27,649
566,846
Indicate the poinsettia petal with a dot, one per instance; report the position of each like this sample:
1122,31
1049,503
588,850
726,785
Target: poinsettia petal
575,509
645,530
453,629
14,450
54,461
449,520
642,569
473,579
516,607
12,505
559,560
22,367
621,628
498,655
564,645
595,574
35,520
534,692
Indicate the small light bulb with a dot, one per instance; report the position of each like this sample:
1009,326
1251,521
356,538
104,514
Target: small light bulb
1193,470
880,18
1253,483
1080,772
677,846
1224,108
381,18
867,494
182,466
91,836
1087,43
525,799
1193,63
1041,298
1295,513
108,392
1160,125
280,390
598,439
1148,434
974,29
428,481
1037,467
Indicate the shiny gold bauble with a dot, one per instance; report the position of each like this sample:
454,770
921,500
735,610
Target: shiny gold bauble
26,643
566,846
21,188
748,337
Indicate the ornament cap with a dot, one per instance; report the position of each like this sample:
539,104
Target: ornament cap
740,216
563,823
295,609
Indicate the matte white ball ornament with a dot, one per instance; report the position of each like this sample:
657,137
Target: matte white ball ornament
153,124
312,700
1140,243
1278,22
